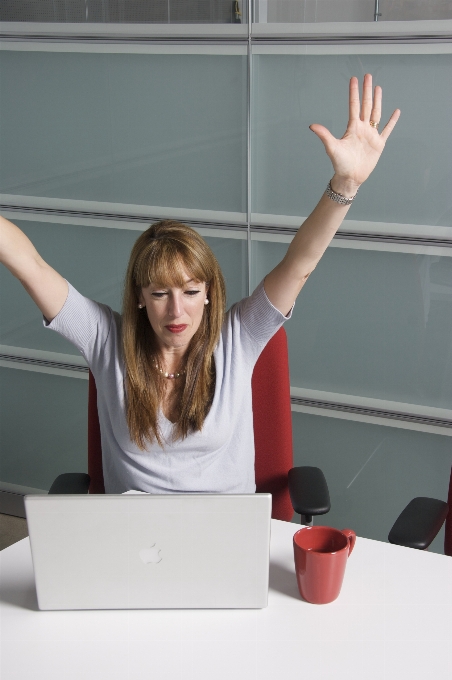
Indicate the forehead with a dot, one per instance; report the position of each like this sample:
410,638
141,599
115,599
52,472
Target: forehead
166,262
181,279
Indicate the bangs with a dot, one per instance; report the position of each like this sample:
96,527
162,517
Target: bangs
166,262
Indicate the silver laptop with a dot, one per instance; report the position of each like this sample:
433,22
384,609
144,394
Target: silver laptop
145,552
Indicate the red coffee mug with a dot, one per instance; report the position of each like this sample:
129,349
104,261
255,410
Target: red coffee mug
321,554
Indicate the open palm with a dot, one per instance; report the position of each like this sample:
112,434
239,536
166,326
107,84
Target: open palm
356,154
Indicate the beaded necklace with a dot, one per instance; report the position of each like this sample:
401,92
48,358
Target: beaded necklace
171,376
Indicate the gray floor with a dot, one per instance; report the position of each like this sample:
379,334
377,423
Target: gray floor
12,529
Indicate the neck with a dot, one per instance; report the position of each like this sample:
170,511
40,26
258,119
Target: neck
171,361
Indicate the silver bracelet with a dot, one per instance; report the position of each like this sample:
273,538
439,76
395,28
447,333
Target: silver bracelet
339,198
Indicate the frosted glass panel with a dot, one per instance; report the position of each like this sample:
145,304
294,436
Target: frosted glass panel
124,11
410,185
313,11
369,323
43,427
94,260
372,471
143,129
318,11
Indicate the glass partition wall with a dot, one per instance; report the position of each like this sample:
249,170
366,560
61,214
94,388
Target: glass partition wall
341,11
110,123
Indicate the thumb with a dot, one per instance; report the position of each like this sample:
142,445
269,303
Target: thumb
324,135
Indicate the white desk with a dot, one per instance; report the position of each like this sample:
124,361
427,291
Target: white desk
392,621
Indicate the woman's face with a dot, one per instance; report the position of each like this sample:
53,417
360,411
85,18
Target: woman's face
175,313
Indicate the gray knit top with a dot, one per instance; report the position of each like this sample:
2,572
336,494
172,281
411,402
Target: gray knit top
218,459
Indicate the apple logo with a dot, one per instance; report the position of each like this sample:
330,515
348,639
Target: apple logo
151,555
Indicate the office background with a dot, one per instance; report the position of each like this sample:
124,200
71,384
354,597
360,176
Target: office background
116,113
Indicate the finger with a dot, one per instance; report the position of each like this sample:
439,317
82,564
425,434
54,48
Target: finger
353,99
324,135
375,115
366,107
390,125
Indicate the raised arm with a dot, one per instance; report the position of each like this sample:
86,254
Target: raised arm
354,156
46,287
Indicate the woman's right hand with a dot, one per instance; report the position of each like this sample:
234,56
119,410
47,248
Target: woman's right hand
356,154
45,286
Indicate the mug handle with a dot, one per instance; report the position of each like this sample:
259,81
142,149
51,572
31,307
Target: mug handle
350,534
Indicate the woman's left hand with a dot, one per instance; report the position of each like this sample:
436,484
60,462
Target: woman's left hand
355,155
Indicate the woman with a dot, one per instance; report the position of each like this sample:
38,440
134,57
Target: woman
174,373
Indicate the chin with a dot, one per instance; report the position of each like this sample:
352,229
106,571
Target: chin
177,341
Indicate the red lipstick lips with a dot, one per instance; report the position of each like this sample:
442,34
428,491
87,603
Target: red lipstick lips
176,328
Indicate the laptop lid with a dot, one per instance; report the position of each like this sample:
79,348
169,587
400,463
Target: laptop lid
150,551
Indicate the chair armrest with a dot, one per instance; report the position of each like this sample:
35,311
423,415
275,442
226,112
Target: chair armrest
309,491
418,524
71,482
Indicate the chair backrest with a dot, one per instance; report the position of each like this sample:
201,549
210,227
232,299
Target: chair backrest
272,416
272,427
448,528
94,441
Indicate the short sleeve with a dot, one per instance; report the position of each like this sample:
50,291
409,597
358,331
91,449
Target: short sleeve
85,323
258,317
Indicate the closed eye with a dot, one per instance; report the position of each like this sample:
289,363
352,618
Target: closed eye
192,293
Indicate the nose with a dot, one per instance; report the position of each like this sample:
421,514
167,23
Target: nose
175,308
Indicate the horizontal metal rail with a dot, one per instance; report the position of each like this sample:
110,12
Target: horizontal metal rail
255,228
372,412
296,401
361,236
117,217
44,363
355,40
125,39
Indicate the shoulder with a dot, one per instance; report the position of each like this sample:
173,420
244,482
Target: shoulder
78,306
253,320
256,311
84,321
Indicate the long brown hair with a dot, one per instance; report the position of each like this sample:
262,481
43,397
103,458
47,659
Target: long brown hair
160,255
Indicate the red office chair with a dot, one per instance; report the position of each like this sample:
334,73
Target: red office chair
418,524
302,489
